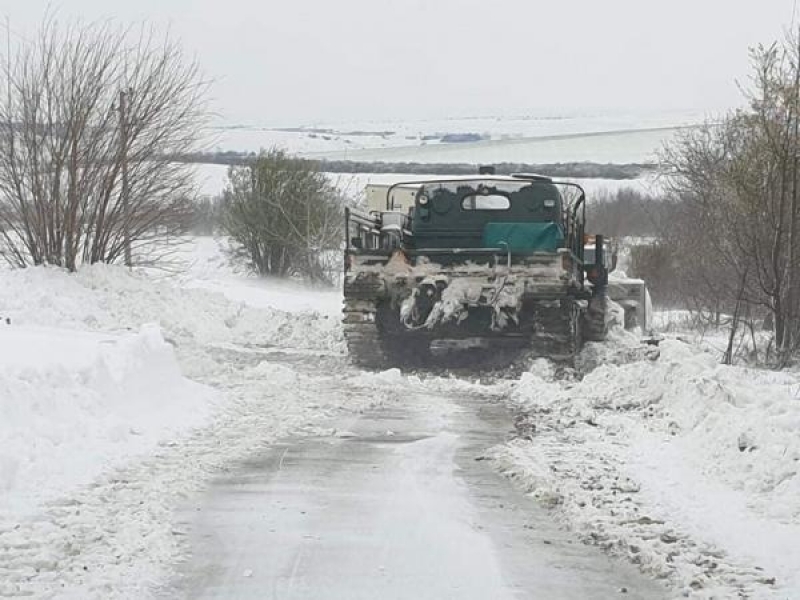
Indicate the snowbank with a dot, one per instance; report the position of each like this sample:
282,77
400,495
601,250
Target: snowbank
77,338
87,378
110,298
102,435
658,459
73,403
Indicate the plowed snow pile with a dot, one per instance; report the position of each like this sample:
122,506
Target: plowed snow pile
87,378
109,298
119,395
74,403
686,467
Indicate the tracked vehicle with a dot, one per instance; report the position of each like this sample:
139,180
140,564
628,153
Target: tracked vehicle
489,261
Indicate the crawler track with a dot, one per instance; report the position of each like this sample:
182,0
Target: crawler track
555,332
362,335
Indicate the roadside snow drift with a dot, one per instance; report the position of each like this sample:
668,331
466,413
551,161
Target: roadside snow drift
686,467
90,373
110,298
72,403
123,392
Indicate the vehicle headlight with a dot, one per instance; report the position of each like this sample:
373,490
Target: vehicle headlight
423,199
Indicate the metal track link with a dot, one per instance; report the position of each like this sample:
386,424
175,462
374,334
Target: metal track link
362,335
594,319
557,331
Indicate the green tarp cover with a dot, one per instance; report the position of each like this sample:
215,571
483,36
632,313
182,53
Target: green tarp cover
524,237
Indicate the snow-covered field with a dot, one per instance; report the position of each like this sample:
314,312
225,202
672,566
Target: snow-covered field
206,263
545,137
624,146
122,394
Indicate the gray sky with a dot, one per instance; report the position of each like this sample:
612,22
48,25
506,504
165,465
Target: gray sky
312,61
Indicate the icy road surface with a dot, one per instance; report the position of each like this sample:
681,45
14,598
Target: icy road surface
395,504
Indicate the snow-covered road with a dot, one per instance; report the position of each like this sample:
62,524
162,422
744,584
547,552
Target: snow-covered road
397,503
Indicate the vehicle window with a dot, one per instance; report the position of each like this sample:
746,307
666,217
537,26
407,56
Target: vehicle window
488,202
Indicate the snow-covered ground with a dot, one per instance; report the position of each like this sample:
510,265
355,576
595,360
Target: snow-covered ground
543,138
121,394
686,467
73,403
206,263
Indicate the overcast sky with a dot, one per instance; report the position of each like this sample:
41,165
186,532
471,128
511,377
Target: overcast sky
316,61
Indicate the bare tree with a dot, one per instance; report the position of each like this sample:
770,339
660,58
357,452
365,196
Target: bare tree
286,216
736,184
89,117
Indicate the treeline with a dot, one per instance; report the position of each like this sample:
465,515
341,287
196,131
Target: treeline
580,170
583,170
626,213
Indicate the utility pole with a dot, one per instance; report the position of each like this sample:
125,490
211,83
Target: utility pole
123,157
